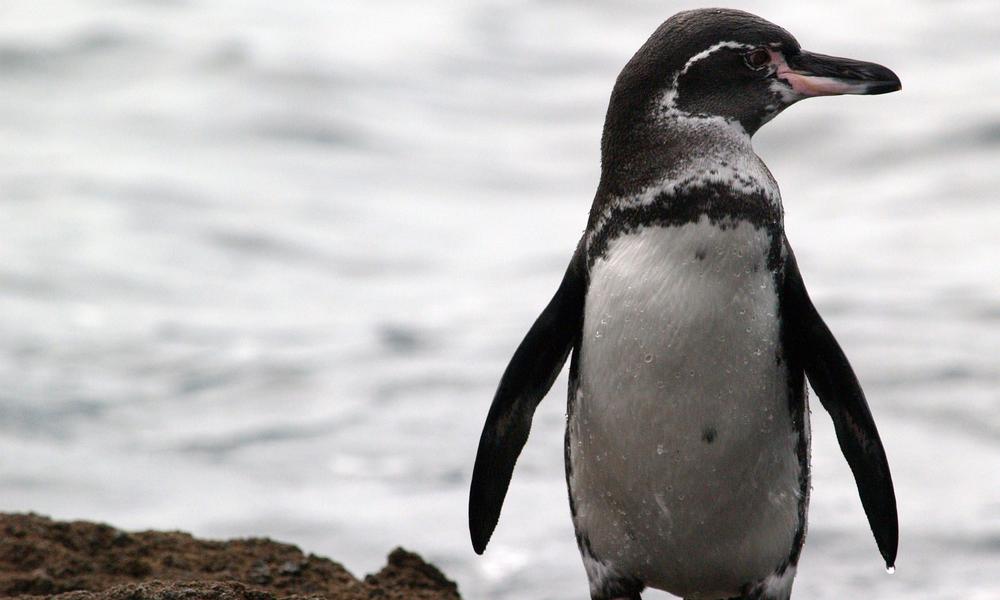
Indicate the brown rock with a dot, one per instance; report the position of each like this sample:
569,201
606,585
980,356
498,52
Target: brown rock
42,558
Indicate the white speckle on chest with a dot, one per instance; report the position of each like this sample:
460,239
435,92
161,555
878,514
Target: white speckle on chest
685,473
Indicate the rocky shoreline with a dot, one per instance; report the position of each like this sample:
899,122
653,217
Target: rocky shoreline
79,560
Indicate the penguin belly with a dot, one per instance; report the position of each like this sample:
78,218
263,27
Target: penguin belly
682,459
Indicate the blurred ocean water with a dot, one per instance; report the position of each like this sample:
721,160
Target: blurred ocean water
263,263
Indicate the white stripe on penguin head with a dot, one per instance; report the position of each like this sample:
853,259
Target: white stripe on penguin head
670,96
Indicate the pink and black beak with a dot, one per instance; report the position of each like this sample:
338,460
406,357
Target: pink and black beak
811,74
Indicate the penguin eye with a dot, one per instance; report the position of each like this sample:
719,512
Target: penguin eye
757,59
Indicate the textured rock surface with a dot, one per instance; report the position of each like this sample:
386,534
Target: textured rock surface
42,558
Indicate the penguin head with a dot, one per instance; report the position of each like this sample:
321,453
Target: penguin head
729,64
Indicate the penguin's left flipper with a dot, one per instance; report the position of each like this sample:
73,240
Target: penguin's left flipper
838,389
528,377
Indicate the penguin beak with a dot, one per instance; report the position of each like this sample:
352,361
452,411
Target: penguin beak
811,74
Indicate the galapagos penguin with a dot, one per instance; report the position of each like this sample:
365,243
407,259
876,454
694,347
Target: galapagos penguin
691,333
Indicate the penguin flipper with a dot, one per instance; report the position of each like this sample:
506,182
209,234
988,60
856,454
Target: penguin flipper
834,381
529,375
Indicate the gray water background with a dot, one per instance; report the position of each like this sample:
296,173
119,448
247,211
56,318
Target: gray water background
262,264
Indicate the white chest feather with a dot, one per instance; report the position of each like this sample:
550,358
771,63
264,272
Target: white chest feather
684,469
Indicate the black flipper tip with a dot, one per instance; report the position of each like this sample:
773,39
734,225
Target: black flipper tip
890,561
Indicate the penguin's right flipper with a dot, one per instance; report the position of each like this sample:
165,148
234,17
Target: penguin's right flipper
531,372
840,393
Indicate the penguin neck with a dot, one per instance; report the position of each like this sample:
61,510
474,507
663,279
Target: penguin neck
684,167
638,154
671,145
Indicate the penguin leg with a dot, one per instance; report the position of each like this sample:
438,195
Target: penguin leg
759,594
605,582
617,590
611,586
748,596
776,587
